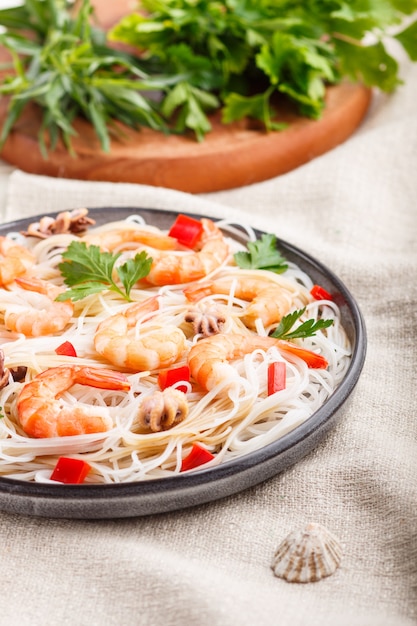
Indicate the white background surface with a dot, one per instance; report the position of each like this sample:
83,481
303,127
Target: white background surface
354,209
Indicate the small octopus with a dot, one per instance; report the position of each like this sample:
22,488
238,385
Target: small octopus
206,322
162,410
75,221
17,373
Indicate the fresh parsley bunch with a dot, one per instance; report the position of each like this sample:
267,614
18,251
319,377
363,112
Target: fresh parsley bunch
240,57
246,52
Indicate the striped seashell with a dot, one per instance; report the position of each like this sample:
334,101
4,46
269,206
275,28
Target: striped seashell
307,555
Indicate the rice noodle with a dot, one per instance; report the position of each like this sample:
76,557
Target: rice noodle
229,424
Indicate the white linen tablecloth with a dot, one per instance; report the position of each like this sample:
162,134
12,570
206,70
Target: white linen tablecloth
354,208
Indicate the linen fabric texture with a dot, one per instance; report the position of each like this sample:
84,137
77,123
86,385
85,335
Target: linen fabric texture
354,209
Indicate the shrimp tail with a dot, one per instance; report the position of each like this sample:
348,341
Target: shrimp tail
197,292
38,285
30,283
104,379
139,309
312,359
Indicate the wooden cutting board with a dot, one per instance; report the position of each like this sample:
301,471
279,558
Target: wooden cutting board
230,156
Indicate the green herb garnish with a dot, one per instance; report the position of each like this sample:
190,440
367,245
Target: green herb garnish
88,270
262,254
306,329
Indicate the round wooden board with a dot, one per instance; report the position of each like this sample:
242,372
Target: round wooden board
231,156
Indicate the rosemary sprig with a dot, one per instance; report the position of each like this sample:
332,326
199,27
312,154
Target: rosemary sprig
63,64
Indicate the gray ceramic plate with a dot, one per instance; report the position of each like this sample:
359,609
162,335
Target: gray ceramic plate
205,485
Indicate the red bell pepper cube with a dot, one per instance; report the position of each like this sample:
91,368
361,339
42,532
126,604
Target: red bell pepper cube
319,293
70,471
66,349
198,456
276,377
187,230
167,378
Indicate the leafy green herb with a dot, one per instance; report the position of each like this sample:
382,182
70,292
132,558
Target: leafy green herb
257,107
88,270
63,65
253,53
240,58
262,254
407,39
306,329
189,104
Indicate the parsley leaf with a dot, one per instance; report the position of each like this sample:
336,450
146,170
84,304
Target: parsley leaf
88,270
258,54
133,270
408,39
257,107
306,329
369,64
262,254
288,56
189,103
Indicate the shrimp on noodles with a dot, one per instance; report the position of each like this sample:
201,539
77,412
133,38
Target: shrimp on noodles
45,316
156,348
162,410
123,238
131,369
42,414
209,358
15,260
268,301
170,266
176,268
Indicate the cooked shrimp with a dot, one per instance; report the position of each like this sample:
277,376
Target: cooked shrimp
125,238
163,409
268,301
176,268
158,347
209,358
43,316
15,260
42,414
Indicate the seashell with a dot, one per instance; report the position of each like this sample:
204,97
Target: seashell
307,555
